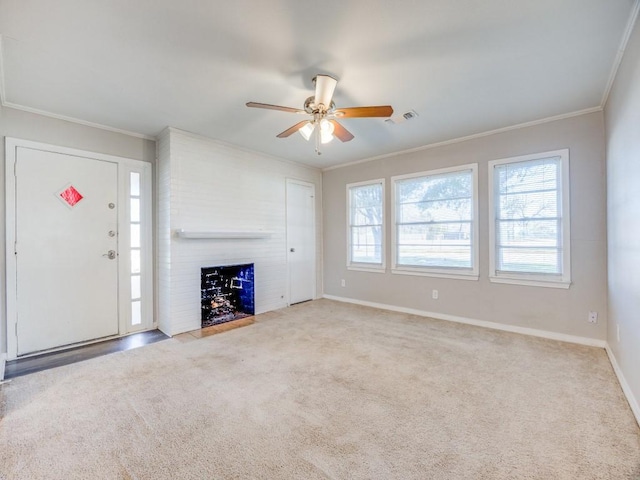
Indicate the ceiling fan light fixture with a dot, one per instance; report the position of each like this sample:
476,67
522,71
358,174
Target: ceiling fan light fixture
326,131
307,130
325,86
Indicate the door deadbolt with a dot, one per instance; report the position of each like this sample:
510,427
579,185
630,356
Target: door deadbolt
292,250
111,254
112,233
112,206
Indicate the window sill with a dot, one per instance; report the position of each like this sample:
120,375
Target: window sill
532,283
366,268
436,273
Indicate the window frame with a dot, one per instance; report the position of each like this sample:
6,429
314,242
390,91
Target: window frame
365,266
533,279
441,272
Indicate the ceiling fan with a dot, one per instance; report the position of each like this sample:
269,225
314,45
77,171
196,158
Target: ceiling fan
324,114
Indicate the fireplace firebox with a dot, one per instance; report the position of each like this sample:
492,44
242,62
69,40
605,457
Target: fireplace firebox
227,293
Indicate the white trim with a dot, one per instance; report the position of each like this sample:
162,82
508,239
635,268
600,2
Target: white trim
378,267
314,276
514,280
364,268
3,361
435,272
620,54
429,146
626,389
438,271
124,165
78,121
562,337
3,93
537,280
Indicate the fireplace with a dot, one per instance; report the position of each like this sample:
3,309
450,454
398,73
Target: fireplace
227,293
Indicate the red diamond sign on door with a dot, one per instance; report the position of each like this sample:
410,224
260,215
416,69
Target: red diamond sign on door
70,196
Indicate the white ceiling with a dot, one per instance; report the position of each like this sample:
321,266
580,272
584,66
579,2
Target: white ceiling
465,66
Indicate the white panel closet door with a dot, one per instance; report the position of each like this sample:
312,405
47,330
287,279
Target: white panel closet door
67,266
301,241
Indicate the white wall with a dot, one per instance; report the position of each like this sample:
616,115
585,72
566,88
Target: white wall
39,128
622,114
551,310
205,185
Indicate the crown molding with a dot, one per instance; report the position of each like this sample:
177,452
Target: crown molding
78,121
623,46
429,146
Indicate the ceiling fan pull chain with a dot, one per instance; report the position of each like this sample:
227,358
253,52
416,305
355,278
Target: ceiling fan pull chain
317,133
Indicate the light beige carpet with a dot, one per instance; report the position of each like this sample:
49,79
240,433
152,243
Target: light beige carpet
326,390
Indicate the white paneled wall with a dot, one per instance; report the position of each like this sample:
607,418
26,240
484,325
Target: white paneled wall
204,185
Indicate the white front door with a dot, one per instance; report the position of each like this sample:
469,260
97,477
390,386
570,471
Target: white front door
301,241
66,224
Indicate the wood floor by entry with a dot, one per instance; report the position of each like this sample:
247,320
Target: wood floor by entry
24,366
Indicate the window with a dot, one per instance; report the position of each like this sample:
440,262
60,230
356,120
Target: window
134,218
436,231
529,211
365,218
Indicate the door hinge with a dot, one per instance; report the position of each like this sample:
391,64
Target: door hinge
16,329
15,248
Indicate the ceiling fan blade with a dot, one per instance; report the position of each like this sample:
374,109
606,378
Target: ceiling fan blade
292,130
325,86
342,133
274,107
360,112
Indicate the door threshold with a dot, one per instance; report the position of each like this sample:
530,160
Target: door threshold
77,353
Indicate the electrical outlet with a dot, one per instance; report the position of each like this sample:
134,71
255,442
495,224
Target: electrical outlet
343,282
434,294
593,317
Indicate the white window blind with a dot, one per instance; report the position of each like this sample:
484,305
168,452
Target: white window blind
435,220
366,224
530,218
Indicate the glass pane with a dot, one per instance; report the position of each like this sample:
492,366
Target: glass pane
445,256
529,205
135,286
436,211
366,196
135,184
435,245
366,215
435,187
136,313
135,210
135,235
528,233
135,261
528,176
366,244
531,260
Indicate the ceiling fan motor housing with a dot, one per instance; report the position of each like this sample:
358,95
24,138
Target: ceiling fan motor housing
311,108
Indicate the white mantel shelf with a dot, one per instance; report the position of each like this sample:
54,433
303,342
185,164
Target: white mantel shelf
221,234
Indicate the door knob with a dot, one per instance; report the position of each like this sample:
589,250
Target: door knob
292,250
111,254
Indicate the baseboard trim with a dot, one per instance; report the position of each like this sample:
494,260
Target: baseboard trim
633,402
3,360
591,342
